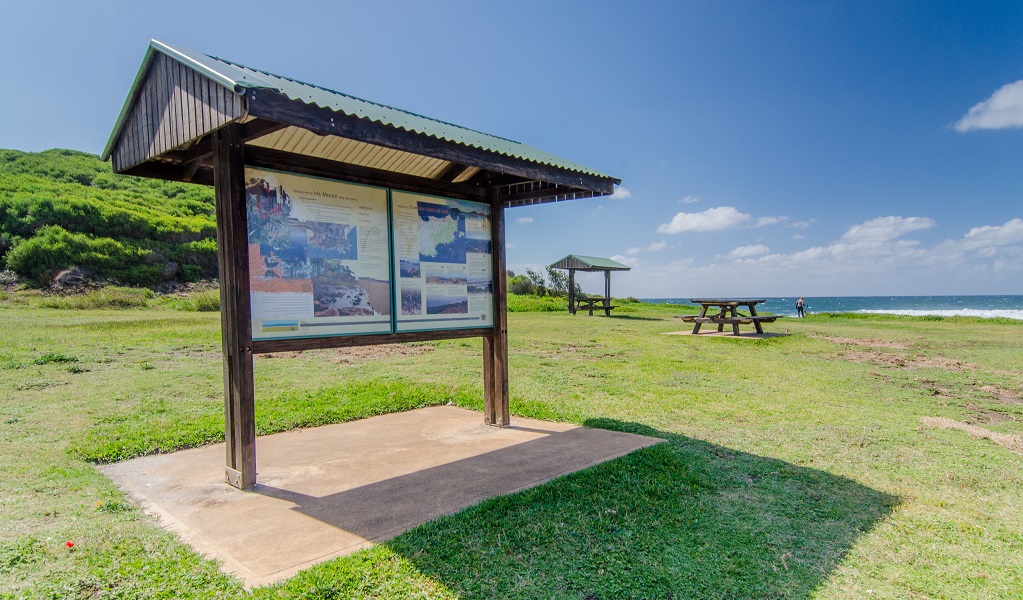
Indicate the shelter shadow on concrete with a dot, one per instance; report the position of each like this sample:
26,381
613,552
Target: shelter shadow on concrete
682,519
332,490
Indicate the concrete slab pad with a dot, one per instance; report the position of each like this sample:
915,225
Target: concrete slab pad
329,491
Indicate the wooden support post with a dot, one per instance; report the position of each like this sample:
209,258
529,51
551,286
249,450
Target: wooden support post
235,318
607,292
571,291
495,345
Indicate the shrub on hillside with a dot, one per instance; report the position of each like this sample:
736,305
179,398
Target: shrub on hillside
54,249
134,230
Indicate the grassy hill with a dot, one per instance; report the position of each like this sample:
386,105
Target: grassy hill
63,208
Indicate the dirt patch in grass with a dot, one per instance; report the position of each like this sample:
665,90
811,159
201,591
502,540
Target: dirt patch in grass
987,416
344,356
880,357
1002,395
870,342
1012,442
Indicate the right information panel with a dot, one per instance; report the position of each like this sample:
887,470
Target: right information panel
443,263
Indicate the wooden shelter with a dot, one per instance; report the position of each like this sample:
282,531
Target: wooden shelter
192,117
574,262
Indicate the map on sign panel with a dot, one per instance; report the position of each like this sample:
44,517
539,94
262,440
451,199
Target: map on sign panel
444,262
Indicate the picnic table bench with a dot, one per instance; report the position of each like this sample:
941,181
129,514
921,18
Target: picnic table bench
595,303
728,314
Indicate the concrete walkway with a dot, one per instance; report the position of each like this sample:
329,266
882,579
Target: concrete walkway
329,491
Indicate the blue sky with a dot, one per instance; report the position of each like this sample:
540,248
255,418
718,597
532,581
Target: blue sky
765,148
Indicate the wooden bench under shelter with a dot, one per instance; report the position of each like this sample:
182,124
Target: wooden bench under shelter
575,262
265,142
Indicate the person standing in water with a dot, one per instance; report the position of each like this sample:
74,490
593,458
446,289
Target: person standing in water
800,307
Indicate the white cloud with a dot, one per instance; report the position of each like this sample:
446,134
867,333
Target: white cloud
762,221
621,193
748,251
712,219
653,247
798,236
631,261
690,200
876,256
1003,110
883,229
524,220
802,224
992,236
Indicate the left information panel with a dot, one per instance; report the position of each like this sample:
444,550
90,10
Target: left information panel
319,262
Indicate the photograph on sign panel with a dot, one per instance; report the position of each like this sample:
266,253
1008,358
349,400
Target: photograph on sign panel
318,256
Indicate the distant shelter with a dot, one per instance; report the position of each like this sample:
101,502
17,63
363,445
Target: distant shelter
575,262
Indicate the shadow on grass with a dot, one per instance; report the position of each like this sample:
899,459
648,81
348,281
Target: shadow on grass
682,519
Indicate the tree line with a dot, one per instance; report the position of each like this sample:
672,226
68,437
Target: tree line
535,284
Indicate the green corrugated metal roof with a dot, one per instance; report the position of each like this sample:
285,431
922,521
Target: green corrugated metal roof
240,78
593,262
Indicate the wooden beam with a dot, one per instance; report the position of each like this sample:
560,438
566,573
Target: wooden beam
451,172
321,167
548,192
350,341
495,345
257,128
276,107
171,172
235,315
202,150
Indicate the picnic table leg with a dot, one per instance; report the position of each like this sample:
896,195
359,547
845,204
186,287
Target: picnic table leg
735,326
753,313
703,313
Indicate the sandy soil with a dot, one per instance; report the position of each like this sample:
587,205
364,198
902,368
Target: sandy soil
1012,442
349,355
873,343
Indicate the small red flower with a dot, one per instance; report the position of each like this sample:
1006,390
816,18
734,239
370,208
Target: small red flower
69,544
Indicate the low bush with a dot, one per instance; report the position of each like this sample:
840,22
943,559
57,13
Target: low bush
204,301
107,297
521,303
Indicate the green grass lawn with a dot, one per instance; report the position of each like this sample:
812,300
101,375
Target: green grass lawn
794,467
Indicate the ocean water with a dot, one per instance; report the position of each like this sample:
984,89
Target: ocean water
1006,307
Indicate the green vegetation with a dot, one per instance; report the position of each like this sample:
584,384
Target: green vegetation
805,466
62,209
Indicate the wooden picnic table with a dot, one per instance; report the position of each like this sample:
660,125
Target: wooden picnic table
728,313
598,303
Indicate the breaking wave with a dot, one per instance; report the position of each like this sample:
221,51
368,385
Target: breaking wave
960,312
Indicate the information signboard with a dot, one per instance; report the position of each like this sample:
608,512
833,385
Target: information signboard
319,256
443,262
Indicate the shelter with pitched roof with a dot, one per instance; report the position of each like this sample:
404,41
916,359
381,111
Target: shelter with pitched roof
193,117
575,262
